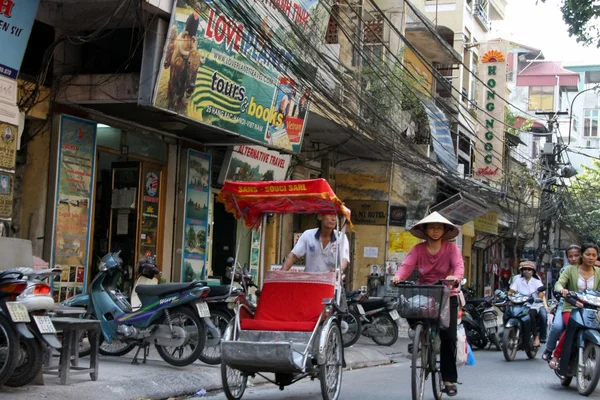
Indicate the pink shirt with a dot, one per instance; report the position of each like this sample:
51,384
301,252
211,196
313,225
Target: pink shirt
447,261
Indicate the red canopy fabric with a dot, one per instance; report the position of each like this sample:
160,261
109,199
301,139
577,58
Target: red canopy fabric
249,200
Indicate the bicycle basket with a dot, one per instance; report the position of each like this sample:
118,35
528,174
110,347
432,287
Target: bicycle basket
421,301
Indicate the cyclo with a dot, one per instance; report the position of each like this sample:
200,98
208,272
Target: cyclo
295,330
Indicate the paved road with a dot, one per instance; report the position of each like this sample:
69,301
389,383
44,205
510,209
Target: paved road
491,377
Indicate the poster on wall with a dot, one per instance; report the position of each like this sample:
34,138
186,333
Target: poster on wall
195,235
6,194
72,212
220,71
255,253
254,163
8,145
150,208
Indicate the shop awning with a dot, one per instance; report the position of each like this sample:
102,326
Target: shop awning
443,146
461,208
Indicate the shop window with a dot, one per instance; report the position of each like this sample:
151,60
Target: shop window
590,122
147,146
331,37
541,98
107,136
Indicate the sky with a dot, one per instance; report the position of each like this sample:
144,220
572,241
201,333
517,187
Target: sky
541,26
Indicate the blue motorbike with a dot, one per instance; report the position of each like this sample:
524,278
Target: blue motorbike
517,326
173,316
581,350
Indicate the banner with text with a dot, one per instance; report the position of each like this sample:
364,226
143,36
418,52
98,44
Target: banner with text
72,213
254,163
490,129
16,21
229,74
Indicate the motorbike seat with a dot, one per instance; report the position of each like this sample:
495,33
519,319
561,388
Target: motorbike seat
218,291
352,293
475,302
373,303
165,288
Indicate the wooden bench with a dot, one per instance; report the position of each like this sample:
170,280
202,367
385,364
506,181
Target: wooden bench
71,329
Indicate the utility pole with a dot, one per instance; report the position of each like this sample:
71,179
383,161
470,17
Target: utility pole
550,166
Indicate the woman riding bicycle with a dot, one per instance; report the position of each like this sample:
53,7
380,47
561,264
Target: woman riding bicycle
438,259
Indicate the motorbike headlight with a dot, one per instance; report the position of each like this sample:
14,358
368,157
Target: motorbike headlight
517,299
589,299
102,266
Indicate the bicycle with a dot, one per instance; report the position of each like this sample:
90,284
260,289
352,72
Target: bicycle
422,305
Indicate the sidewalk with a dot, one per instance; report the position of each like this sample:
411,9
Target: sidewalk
118,379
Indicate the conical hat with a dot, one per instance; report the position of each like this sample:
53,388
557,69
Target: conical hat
434,217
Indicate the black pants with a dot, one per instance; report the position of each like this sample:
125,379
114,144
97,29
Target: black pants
533,316
448,345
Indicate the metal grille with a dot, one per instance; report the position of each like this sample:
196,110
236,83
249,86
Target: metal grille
421,301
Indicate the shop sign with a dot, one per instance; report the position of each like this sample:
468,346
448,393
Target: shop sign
195,235
368,212
398,216
8,145
228,73
72,211
487,223
6,194
150,211
469,229
490,132
460,208
16,21
254,163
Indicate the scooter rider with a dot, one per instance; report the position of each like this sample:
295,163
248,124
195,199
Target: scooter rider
438,259
573,258
527,284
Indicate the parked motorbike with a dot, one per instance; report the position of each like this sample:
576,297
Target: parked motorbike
582,343
374,317
173,316
37,298
13,316
480,321
517,326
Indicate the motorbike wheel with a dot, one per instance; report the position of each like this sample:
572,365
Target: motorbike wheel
495,339
30,358
188,319
510,344
388,328
588,376
212,355
115,349
354,328
9,349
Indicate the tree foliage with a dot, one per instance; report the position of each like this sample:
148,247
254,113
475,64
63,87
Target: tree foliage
581,17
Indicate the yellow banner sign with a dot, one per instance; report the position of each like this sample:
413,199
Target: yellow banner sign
487,223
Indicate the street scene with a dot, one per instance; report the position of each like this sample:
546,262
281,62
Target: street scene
299,199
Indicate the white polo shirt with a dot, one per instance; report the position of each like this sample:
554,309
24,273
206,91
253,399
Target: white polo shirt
520,285
319,259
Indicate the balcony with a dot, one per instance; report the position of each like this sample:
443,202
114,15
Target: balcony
481,15
497,8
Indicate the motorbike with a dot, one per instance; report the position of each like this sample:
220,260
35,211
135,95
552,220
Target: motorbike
480,321
173,316
374,317
38,300
582,343
517,326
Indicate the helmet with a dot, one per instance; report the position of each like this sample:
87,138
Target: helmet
147,267
110,260
527,264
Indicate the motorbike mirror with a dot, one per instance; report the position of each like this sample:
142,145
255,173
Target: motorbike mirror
541,289
497,292
463,282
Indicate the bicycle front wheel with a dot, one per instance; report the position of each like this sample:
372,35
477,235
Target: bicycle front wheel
436,374
420,356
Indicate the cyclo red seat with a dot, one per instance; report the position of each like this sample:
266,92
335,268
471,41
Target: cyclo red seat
291,301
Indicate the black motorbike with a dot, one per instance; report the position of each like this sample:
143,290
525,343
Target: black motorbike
581,350
374,317
480,320
517,326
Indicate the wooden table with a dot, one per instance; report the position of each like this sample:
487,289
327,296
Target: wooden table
69,354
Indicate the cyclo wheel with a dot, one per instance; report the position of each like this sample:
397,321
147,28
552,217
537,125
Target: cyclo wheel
330,373
352,318
419,365
234,381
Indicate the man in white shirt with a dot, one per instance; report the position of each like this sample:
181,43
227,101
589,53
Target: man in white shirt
528,284
320,246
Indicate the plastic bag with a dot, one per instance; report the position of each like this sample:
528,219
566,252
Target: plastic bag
445,310
462,347
470,356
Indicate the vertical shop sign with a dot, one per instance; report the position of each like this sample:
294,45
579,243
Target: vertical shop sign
195,235
8,145
72,212
16,21
150,208
255,253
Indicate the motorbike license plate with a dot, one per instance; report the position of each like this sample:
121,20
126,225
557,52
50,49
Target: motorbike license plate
202,308
18,311
44,324
490,323
360,309
394,315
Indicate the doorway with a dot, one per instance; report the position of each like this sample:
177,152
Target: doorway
224,234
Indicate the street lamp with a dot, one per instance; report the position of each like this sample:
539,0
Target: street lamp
571,109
